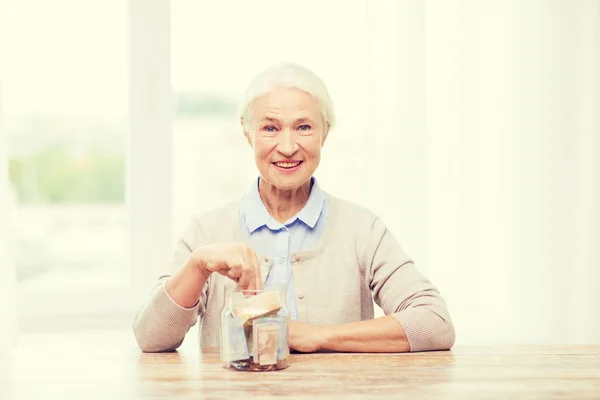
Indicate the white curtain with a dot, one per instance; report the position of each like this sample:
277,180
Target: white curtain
484,158
8,332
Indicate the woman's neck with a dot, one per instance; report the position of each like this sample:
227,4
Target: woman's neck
283,204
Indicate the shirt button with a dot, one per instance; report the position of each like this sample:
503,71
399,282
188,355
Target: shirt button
300,296
281,261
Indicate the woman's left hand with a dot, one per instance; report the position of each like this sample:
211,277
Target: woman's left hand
305,338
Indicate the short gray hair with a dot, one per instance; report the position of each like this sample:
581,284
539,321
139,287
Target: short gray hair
288,75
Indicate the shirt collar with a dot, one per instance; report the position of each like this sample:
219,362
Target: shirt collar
256,215
311,211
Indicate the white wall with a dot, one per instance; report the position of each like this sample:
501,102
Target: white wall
488,147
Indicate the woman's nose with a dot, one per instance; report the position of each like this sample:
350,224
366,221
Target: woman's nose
287,142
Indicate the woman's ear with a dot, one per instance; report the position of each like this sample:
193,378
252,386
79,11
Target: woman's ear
325,133
248,138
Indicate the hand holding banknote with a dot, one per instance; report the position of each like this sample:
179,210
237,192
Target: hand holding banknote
236,261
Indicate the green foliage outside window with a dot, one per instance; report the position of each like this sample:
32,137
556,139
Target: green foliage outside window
88,166
53,175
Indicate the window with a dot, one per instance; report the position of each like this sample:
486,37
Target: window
63,88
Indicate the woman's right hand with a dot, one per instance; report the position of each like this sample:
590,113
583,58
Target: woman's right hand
236,261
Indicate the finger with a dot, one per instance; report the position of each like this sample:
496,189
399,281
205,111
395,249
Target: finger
234,272
219,267
251,259
247,277
258,282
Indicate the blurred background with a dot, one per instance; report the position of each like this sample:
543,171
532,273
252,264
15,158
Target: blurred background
471,127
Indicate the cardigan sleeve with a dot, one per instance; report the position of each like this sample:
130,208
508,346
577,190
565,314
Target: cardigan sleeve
161,324
403,292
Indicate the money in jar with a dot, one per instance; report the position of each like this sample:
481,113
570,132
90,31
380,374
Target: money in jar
254,330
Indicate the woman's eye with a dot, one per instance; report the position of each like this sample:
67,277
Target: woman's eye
304,127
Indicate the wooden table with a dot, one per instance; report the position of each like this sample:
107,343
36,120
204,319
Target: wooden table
108,366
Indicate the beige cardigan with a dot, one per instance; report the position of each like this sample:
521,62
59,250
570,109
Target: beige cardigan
356,260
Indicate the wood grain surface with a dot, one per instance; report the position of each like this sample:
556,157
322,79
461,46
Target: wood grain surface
109,366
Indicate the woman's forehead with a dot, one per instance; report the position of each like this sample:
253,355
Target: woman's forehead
286,104
289,118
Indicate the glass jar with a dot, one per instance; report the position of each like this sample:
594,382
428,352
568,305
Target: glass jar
254,330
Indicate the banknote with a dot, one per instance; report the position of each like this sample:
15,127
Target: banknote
234,342
266,338
272,323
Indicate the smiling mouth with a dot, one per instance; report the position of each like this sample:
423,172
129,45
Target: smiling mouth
287,165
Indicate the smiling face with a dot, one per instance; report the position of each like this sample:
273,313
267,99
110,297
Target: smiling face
286,131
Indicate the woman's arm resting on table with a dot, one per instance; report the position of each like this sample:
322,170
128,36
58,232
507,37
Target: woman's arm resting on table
417,318
380,335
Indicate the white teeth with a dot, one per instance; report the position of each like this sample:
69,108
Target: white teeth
287,165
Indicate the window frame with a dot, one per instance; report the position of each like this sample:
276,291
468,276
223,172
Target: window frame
147,186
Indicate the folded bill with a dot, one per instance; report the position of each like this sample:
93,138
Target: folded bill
263,304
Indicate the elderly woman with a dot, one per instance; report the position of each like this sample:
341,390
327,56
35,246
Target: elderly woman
333,256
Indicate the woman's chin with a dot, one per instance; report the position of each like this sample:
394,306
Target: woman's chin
287,182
